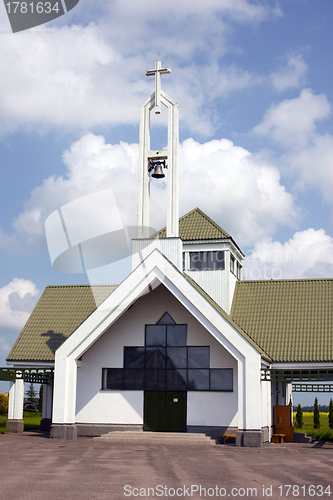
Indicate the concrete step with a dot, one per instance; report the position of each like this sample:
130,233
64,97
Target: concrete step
174,438
302,437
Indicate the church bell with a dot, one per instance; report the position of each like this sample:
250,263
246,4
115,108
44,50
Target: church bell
158,171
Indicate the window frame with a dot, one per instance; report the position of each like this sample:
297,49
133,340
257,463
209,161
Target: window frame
233,261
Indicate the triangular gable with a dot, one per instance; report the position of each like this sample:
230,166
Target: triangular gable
155,270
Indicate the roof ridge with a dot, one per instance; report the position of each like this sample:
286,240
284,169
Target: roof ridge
285,280
78,286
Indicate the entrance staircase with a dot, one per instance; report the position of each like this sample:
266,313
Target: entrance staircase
174,438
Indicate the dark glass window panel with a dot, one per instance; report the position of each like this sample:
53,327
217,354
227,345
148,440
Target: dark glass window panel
115,378
176,357
155,335
198,357
155,380
198,380
166,320
134,357
176,380
221,379
176,335
206,260
197,261
183,261
134,380
215,260
155,357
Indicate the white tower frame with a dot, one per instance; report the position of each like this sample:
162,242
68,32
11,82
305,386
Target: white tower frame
170,155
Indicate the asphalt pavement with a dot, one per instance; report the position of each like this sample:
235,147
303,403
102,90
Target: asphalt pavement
35,467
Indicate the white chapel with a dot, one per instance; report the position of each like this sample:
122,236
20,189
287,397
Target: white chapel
183,344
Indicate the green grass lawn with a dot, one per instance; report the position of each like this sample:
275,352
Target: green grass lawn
31,421
324,432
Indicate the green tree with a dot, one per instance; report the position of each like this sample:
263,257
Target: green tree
3,403
330,415
299,416
4,400
31,400
316,416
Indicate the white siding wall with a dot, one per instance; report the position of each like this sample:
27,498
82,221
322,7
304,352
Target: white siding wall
170,247
212,409
97,406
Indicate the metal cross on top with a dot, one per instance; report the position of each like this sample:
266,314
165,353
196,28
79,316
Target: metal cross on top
158,71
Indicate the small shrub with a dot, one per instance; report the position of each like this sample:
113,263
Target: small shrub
330,415
316,416
299,417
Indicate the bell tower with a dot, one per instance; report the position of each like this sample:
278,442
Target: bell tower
158,163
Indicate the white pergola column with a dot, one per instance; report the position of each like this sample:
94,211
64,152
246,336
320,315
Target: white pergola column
249,402
15,406
64,398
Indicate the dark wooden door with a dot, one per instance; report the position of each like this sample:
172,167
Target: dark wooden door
165,411
176,411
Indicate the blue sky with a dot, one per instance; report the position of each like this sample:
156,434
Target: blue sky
253,80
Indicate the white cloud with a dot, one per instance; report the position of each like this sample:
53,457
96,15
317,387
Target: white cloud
79,76
292,122
237,189
92,166
309,155
291,75
314,165
17,300
308,254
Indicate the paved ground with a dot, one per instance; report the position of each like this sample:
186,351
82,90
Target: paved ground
34,467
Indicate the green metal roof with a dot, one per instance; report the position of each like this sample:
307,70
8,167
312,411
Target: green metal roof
228,317
196,225
292,320
58,313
